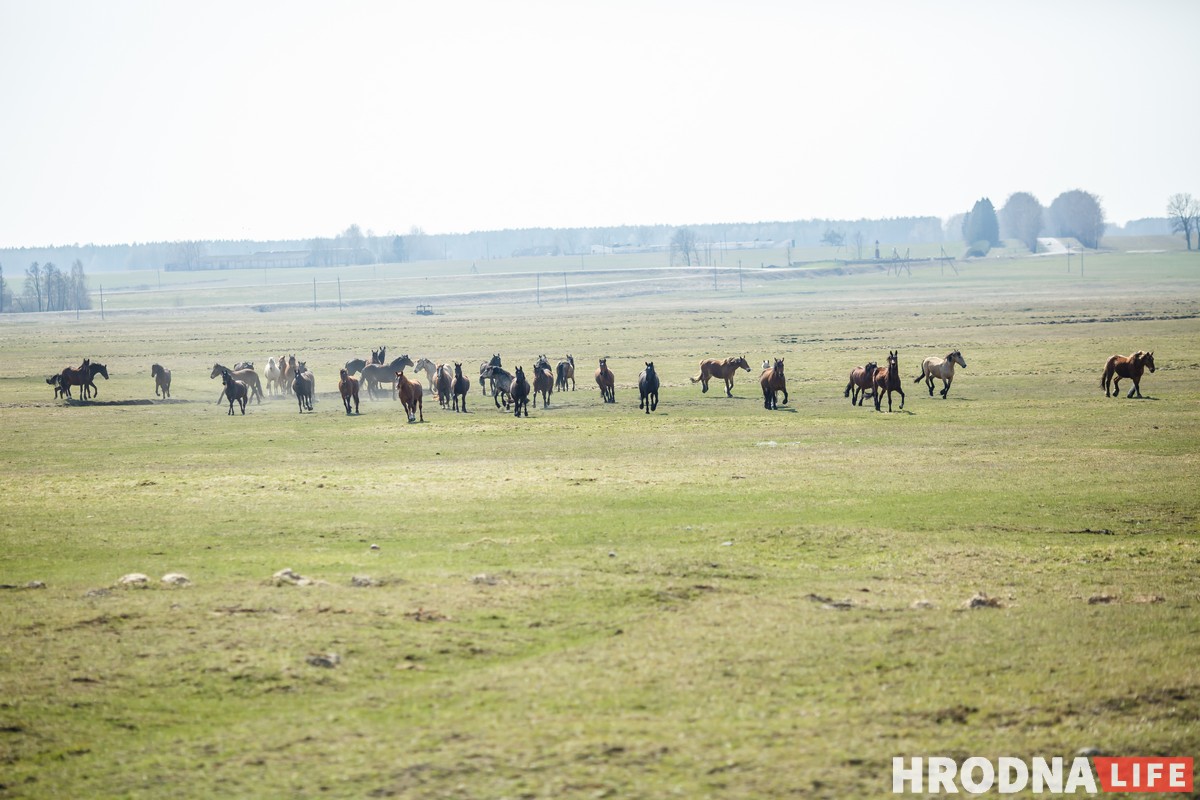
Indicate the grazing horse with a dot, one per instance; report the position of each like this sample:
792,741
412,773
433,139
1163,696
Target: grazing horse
303,386
375,374
162,379
274,377
1132,367
520,393
501,380
485,379
934,367
648,387
430,370
409,393
565,371
348,386
462,385
861,379
235,390
606,382
887,379
444,385
772,380
543,381
711,368
246,376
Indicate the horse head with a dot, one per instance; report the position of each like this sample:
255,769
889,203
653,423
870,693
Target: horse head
778,366
741,362
100,369
870,367
226,378
495,361
957,358
155,370
458,369
649,367
1148,360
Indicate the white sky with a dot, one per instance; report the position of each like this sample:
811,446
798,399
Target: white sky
130,121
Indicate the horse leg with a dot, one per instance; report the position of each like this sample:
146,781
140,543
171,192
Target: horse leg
1134,389
654,396
929,383
946,388
1116,387
785,395
901,391
729,387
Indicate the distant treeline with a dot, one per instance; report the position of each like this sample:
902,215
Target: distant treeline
354,247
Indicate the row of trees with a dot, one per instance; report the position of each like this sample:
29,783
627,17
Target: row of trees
48,288
1075,214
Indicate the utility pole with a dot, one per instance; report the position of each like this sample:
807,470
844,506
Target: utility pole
314,294
539,288
566,293
339,277
102,301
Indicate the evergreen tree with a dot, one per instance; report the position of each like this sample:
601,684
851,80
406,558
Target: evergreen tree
981,224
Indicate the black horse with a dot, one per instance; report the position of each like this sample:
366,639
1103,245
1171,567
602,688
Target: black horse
302,386
462,385
520,393
648,387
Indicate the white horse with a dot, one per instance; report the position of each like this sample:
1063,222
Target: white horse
429,367
274,377
943,368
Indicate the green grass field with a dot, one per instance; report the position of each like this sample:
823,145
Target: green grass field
710,601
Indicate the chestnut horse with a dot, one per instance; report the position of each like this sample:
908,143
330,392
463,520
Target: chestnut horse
162,379
520,393
887,379
246,376
772,380
543,381
235,390
861,379
462,385
348,386
711,368
943,368
648,388
606,381
409,393
1131,367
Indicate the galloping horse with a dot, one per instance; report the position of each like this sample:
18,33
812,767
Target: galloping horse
304,386
235,390
462,385
484,379
861,379
348,386
429,368
887,379
565,371
410,396
274,377
501,380
543,382
375,374
287,372
772,380
943,368
520,393
445,385
648,387
246,376
711,368
1131,367
162,379
606,381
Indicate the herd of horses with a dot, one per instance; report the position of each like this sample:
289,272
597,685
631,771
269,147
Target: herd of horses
513,391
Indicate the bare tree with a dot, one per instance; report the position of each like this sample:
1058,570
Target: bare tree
683,246
858,238
1078,214
80,296
2,289
33,283
1184,211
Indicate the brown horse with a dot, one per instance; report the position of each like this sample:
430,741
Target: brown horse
606,381
711,368
246,376
1132,367
72,376
543,382
887,379
409,393
565,371
520,393
943,368
162,379
772,381
462,385
444,383
235,390
304,386
348,386
861,379
374,375
287,373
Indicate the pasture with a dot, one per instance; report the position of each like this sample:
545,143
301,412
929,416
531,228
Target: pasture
710,600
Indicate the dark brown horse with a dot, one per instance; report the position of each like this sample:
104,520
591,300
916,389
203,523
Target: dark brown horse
648,388
162,379
348,387
1132,367
606,381
861,379
235,390
565,371
83,377
409,393
246,376
520,393
543,381
711,368
304,386
444,384
773,381
887,379
462,385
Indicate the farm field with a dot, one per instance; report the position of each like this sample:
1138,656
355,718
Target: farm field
712,600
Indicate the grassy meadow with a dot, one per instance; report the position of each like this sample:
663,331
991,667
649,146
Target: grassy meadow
712,600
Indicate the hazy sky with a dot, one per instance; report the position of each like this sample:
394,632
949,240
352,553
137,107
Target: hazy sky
145,121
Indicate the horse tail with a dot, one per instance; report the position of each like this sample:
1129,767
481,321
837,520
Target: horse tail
698,377
849,386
